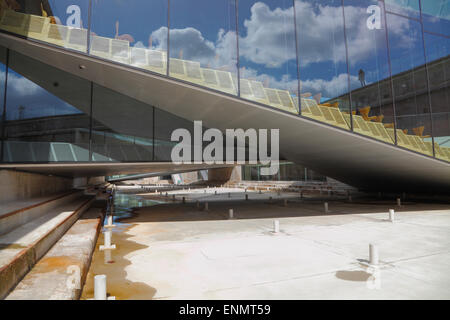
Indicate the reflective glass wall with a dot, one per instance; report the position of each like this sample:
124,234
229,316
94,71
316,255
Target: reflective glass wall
322,59
202,43
47,118
378,68
268,54
118,33
63,23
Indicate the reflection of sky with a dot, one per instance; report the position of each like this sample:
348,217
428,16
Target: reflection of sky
59,8
26,100
204,31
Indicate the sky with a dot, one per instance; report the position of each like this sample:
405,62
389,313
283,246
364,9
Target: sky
205,31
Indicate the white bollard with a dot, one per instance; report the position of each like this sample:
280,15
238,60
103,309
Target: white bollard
107,245
231,214
276,226
373,254
326,207
391,215
100,287
110,222
399,202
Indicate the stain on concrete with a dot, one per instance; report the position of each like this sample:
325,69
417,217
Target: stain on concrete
117,283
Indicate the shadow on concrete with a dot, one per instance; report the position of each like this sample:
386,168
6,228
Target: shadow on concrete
264,209
360,276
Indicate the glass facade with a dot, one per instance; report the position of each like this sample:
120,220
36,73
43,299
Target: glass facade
288,172
378,68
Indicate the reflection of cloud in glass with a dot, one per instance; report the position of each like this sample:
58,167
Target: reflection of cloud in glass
268,38
32,101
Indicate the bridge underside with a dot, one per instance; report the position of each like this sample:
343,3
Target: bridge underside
348,157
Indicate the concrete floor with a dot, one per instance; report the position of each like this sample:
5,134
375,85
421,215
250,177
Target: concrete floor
176,251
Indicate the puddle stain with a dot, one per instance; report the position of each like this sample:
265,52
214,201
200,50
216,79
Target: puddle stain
117,283
51,264
360,276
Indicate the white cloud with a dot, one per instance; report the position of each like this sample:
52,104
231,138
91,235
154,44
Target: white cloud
268,39
337,86
19,85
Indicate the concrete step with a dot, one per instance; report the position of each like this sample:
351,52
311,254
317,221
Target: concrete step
22,247
61,272
15,214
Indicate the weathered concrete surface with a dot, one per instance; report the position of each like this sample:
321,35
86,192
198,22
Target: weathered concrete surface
22,247
61,273
22,212
175,251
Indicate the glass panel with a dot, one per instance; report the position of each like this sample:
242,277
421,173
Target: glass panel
369,70
165,124
436,16
438,60
409,8
60,22
288,172
132,32
3,53
47,113
267,53
122,128
322,59
410,84
203,43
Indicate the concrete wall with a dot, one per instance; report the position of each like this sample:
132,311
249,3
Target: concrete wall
15,185
83,182
189,177
225,174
